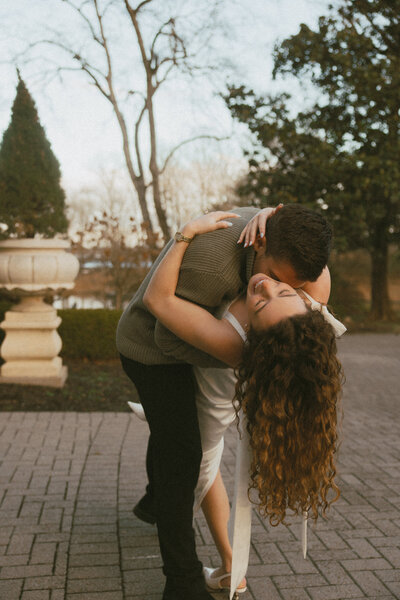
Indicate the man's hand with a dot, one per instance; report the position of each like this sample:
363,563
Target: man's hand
256,225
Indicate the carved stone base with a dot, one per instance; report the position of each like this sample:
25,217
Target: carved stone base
32,344
56,381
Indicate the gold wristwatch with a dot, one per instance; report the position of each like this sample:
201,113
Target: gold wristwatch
179,237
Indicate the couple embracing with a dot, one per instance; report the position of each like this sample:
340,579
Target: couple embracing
219,331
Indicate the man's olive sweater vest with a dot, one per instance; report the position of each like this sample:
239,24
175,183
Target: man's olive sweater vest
215,269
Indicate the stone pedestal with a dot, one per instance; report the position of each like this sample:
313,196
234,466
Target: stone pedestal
32,344
31,269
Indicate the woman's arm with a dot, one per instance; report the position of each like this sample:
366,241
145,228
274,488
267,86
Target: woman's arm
189,321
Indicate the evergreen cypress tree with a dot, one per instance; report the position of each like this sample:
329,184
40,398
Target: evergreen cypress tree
31,198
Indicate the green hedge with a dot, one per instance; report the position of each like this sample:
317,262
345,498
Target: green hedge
85,333
89,333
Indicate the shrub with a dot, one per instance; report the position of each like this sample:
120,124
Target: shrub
89,333
85,333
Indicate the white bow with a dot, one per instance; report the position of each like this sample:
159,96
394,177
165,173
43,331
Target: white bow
337,325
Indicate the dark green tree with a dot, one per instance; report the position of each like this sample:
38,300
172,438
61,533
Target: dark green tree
31,198
341,154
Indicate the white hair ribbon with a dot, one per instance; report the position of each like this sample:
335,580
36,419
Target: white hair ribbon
304,533
338,327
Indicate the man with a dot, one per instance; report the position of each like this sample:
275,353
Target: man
215,269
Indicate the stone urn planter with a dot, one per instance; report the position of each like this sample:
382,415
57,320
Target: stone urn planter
31,269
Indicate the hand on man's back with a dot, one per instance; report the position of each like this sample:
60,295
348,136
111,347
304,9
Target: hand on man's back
256,226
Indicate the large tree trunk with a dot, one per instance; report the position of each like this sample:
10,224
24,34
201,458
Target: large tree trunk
151,84
157,203
162,219
118,299
380,301
142,193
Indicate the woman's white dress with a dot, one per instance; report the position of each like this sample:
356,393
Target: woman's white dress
216,412
214,400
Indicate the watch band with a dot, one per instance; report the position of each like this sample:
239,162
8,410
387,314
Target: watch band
179,237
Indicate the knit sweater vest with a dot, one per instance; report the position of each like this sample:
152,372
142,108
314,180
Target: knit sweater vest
215,269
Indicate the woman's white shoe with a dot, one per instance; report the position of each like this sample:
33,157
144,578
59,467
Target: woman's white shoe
214,582
138,410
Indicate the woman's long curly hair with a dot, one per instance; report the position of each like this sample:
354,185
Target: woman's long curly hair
289,384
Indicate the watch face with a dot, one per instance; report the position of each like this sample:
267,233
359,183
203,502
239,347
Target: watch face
179,237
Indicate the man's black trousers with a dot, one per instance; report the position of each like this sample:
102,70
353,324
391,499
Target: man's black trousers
167,393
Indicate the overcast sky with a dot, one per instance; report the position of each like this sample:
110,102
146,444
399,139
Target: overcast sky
79,123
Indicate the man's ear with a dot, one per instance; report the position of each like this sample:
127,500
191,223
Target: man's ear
260,245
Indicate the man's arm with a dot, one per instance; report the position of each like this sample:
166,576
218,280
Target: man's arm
203,280
171,345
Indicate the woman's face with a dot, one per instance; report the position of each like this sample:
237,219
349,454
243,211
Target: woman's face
269,301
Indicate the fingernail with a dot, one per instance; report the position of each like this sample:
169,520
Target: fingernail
261,235
251,243
229,224
245,244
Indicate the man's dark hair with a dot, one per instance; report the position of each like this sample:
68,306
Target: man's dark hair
301,237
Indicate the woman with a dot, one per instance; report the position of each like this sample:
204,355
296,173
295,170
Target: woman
288,385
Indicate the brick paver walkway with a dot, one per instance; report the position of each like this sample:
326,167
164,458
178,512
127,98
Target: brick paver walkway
68,482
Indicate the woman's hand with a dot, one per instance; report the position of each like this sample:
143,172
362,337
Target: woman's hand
257,225
208,222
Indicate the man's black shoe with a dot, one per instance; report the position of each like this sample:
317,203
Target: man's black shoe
143,512
188,590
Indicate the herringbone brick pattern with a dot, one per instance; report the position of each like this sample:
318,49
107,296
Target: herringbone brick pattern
68,482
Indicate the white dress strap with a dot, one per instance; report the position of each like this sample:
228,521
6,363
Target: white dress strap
235,324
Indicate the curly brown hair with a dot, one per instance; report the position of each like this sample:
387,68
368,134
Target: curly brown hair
289,385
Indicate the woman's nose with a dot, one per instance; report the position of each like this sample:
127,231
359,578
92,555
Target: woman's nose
268,286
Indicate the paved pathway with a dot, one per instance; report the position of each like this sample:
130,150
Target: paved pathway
68,482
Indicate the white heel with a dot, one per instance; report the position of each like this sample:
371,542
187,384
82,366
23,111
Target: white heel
138,410
214,582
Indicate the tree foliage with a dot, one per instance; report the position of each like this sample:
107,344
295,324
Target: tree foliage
341,154
31,198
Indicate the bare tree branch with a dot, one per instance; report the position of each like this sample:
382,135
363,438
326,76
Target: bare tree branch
159,82
188,141
84,18
153,165
158,34
173,45
84,64
140,5
137,144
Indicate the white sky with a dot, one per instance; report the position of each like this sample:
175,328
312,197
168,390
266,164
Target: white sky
80,124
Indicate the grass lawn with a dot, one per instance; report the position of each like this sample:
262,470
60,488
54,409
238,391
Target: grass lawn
91,386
